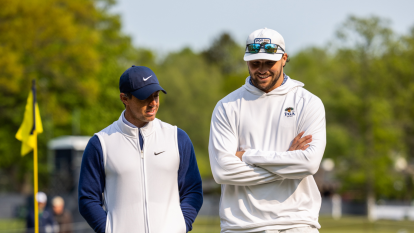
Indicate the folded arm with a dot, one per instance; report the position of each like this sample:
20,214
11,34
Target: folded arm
225,166
299,163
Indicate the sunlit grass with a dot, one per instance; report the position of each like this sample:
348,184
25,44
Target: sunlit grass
346,224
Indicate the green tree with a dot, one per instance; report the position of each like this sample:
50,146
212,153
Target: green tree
227,56
76,52
194,88
355,78
398,63
370,116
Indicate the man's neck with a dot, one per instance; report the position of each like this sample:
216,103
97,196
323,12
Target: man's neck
128,116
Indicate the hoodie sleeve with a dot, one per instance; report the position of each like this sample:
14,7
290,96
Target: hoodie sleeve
299,163
225,165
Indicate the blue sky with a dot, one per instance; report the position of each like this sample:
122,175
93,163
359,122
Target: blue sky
165,26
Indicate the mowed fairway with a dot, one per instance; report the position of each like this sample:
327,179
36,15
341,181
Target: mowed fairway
329,225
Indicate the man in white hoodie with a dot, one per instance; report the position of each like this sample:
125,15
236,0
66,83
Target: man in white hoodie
267,139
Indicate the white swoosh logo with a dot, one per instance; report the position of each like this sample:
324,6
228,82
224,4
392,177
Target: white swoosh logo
145,79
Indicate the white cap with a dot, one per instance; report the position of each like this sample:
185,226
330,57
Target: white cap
41,197
265,35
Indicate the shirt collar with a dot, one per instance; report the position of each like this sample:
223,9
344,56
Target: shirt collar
126,121
132,130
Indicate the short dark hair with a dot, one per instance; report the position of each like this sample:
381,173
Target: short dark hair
128,95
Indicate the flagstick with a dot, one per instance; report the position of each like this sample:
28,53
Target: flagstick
36,208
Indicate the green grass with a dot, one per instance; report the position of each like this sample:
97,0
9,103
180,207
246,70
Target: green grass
206,225
12,225
212,225
361,225
344,225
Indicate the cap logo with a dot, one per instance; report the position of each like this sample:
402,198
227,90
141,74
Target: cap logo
262,40
145,79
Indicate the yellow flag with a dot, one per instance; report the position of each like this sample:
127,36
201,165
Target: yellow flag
27,131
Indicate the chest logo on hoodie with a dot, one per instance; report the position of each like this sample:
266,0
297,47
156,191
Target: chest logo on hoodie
289,112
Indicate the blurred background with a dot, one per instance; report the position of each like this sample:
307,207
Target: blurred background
357,56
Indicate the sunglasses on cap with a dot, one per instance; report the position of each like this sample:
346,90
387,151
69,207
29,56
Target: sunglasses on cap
268,48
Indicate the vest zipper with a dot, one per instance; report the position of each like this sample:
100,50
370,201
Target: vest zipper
144,184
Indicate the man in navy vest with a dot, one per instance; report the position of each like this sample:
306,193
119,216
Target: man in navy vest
140,174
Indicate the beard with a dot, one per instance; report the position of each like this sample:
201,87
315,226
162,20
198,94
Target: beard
266,87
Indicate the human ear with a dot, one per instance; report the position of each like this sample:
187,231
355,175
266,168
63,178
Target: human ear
123,98
285,57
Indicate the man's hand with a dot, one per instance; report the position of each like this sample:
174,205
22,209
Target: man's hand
240,154
300,143
297,144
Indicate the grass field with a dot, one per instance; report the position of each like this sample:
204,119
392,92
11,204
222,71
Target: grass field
329,225
12,225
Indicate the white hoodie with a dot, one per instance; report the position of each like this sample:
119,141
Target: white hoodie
272,188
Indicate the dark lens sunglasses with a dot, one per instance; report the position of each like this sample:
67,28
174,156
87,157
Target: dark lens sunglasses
268,48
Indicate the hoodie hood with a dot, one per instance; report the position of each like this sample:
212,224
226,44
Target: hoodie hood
281,90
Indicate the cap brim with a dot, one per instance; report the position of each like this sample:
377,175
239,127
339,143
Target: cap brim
144,92
262,56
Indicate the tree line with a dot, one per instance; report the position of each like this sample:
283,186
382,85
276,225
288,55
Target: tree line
77,52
